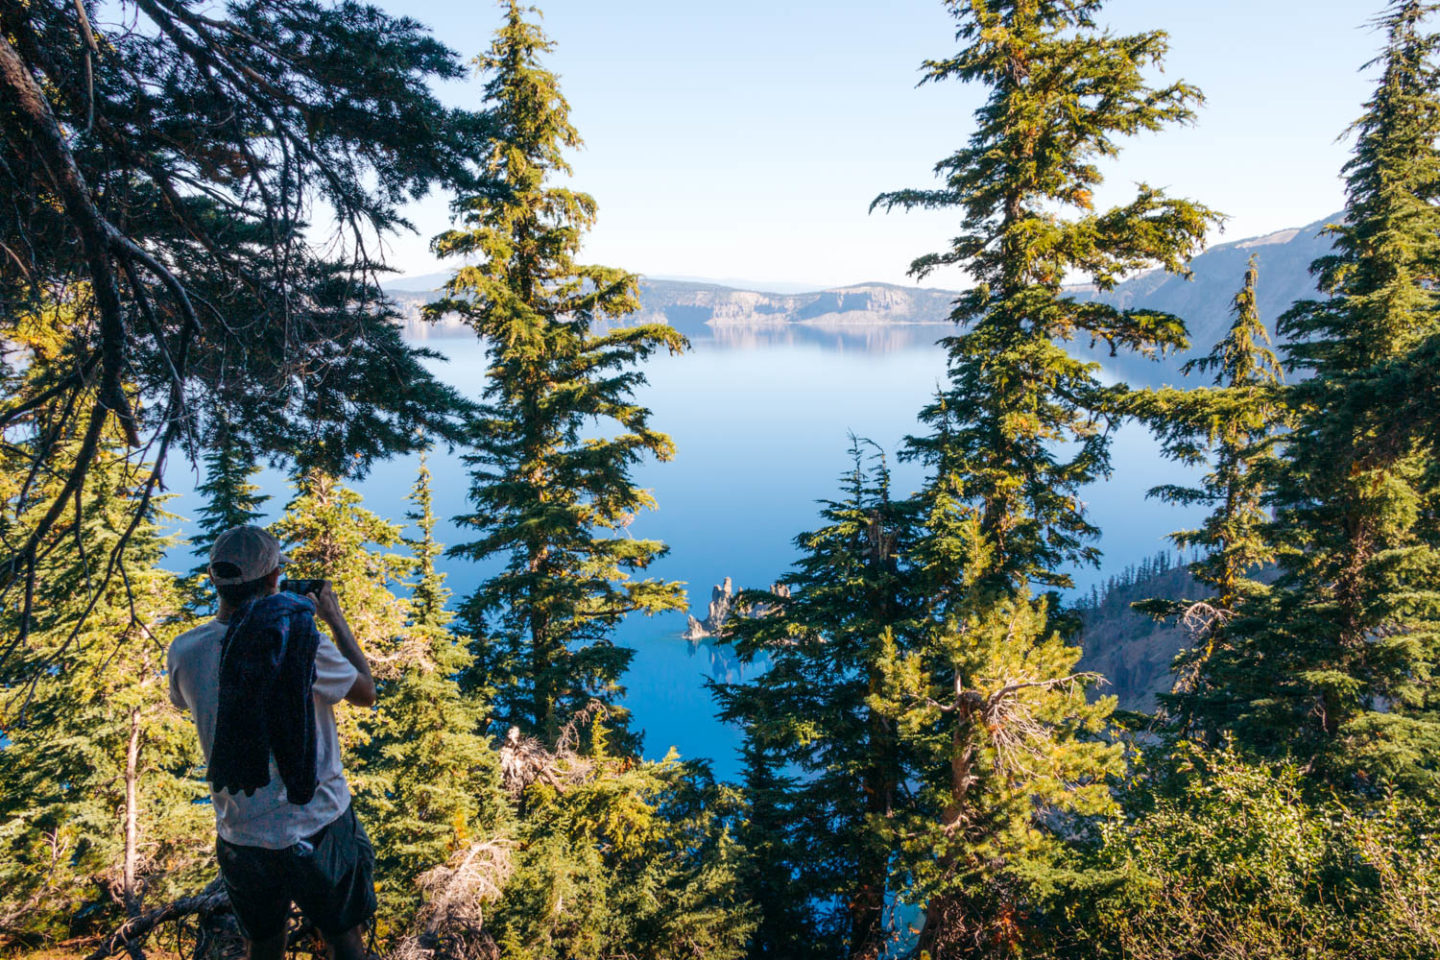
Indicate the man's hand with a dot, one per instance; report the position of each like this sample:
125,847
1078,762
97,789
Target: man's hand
327,605
327,608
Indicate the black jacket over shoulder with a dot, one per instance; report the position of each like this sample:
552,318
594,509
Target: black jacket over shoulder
267,670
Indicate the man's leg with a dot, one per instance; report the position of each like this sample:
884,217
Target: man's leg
350,945
335,887
271,948
259,895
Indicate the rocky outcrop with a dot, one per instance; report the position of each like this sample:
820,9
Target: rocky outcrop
722,598
722,607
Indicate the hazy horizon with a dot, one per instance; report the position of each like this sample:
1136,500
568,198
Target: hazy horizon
417,282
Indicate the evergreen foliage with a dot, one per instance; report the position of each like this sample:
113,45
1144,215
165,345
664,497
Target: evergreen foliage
786,927
331,536
167,156
618,859
927,773
988,697
549,498
231,497
98,812
1102,595
814,711
1010,767
1238,418
433,780
1336,666
1236,422
1227,858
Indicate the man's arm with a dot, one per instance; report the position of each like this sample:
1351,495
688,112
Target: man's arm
327,608
177,695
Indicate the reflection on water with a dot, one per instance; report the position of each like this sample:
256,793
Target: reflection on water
760,422
725,665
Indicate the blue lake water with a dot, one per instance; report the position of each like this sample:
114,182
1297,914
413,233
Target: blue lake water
761,430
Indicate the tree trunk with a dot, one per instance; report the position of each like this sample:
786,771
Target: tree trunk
944,914
867,902
132,813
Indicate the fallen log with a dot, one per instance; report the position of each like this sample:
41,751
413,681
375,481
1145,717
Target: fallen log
132,933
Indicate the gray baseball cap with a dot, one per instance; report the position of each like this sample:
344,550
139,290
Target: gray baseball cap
242,554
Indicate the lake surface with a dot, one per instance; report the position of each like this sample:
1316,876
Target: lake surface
761,429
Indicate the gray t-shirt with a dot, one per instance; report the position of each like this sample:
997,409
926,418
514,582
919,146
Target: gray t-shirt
266,818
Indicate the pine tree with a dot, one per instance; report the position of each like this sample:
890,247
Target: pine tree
331,536
617,859
812,710
1235,422
99,813
770,877
433,778
429,597
1009,767
548,496
1337,664
232,498
988,697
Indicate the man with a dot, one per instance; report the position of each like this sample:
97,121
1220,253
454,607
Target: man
273,851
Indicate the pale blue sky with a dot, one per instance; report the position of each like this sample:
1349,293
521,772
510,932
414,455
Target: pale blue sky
744,140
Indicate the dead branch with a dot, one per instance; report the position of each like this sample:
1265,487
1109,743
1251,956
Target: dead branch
1008,718
450,926
132,933
525,760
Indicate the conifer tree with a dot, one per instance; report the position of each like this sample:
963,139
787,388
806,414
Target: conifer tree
548,496
99,811
433,778
813,710
331,536
1337,664
617,859
989,697
772,874
1235,423
429,597
232,498
1237,418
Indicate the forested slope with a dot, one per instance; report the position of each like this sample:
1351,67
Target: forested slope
1133,651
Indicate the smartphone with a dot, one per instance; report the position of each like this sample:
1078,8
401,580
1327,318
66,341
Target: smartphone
302,587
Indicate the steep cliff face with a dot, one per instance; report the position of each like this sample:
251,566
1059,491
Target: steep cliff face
701,310
1204,301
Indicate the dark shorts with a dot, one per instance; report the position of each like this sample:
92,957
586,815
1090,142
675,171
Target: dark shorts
329,876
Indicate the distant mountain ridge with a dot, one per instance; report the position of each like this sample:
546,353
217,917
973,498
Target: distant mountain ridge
1205,301
881,315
